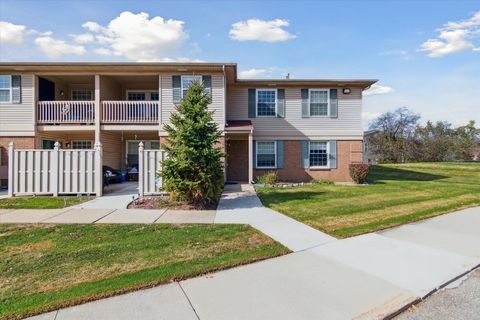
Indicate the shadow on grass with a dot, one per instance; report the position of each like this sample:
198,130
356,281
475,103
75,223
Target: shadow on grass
379,173
281,197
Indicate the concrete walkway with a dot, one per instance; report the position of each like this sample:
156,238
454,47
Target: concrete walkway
364,277
117,196
239,204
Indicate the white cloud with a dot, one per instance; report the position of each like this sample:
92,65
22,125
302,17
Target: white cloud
138,37
83,38
454,37
377,89
253,73
261,30
54,48
103,51
11,33
262,73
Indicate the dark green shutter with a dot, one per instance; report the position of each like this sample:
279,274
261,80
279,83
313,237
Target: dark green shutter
254,154
281,103
207,82
305,104
333,103
280,154
305,156
16,89
177,88
333,153
251,103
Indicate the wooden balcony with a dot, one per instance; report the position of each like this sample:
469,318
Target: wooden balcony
66,112
130,112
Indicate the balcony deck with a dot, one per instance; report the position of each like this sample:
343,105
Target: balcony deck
112,112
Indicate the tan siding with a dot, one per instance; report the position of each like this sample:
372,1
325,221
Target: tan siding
109,89
19,118
112,149
218,98
347,124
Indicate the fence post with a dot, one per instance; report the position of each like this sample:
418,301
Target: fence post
140,169
98,169
11,161
55,170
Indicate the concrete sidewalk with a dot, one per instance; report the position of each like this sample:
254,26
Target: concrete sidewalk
240,204
364,277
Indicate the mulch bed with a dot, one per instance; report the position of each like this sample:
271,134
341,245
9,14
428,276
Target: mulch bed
160,202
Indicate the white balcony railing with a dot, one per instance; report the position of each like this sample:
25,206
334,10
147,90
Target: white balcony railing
130,112
57,112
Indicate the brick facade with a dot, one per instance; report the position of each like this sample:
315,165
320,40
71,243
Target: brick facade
20,143
347,152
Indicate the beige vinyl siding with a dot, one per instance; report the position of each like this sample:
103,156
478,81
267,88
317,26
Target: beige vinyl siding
17,119
112,149
64,137
348,125
218,98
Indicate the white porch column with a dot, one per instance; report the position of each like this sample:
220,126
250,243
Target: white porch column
250,157
11,161
55,170
160,102
141,169
98,169
98,111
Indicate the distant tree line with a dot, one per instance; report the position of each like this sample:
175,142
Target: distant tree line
398,137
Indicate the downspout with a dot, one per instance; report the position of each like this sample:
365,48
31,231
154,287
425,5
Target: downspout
224,122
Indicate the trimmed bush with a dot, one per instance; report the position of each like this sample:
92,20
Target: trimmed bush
359,172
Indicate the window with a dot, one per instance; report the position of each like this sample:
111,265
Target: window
187,81
133,95
82,95
136,96
266,102
48,144
318,154
82,144
5,89
319,102
266,154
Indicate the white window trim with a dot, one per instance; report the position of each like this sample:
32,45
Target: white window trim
256,102
81,140
91,91
328,155
189,76
256,154
148,94
10,101
309,102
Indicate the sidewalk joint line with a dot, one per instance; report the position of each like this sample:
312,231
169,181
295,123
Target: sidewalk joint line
189,302
109,213
56,215
161,215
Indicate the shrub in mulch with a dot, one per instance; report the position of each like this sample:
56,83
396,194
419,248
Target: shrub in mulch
359,172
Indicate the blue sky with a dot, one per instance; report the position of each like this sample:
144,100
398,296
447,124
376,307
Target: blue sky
425,53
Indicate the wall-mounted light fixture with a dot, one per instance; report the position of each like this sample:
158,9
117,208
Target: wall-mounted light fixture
346,90
67,145
62,93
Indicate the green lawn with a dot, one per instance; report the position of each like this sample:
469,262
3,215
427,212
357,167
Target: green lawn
45,267
41,202
400,193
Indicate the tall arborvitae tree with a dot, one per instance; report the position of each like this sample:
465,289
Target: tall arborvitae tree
192,170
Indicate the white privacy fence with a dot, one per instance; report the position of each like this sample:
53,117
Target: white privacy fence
149,183
57,171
